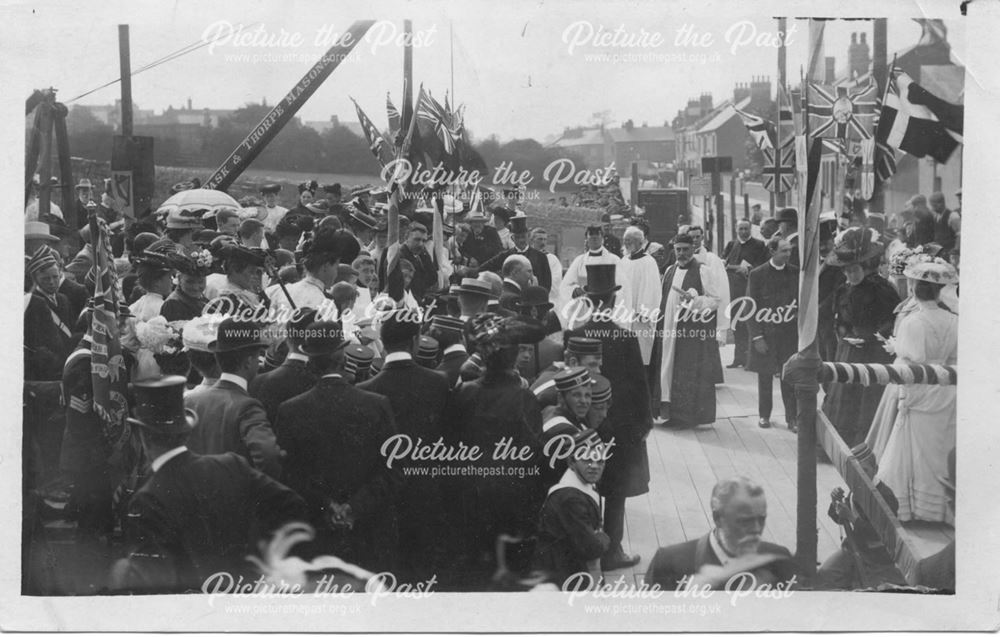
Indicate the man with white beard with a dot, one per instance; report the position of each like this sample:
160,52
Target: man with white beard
644,293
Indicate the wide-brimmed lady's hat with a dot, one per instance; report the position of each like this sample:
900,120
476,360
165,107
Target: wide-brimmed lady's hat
855,245
937,271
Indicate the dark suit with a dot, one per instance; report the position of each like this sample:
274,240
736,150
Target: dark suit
510,295
754,252
672,563
77,296
419,400
451,365
487,411
230,420
482,247
569,534
775,322
199,515
181,307
288,380
333,434
48,336
539,264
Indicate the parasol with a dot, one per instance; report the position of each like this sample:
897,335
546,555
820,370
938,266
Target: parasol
211,200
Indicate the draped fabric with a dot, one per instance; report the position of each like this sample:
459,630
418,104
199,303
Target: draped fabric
924,426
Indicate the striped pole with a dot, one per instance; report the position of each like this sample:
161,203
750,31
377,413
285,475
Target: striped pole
897,374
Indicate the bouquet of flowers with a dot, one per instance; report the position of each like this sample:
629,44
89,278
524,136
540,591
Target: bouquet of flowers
905,257
163,340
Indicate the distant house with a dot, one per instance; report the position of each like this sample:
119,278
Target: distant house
588,143
334,122
631,143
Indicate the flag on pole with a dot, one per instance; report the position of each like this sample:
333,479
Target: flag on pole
107,363
761,131
786,125
394,117
912,128
842,112
432,121
376,142
779,176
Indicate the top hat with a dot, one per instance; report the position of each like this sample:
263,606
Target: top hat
572,377
519,223
600,390
235,335
601,279
534,296
323,337
789,215
159,405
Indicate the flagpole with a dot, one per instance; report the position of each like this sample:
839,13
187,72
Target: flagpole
779,196
802,368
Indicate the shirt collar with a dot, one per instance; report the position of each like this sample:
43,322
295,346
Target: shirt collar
234,379
573,481
336,375
778,268
457,347
596,253
311,280
164,458
397,356
295,356
720,552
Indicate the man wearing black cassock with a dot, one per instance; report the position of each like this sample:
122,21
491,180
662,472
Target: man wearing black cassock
773,326
742,254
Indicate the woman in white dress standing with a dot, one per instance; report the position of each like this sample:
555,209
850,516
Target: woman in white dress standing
923,432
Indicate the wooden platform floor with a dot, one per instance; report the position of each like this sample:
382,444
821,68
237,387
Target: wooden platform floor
685,465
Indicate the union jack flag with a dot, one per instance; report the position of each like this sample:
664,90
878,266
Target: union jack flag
436,119
779,177
842,112
107,362
376,142
394,118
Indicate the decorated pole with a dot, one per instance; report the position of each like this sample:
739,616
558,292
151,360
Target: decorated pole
283,111
802,368
779,195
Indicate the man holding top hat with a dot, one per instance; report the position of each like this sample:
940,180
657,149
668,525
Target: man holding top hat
333,434
197,515
629,420
230,419
687,387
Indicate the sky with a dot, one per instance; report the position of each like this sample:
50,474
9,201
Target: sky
522,70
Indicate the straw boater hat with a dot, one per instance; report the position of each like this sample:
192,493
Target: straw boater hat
38,230
936,271
855,245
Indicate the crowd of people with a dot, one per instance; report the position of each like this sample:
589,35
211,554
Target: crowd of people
448,399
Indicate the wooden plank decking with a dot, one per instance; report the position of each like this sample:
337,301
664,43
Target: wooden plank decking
685,465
